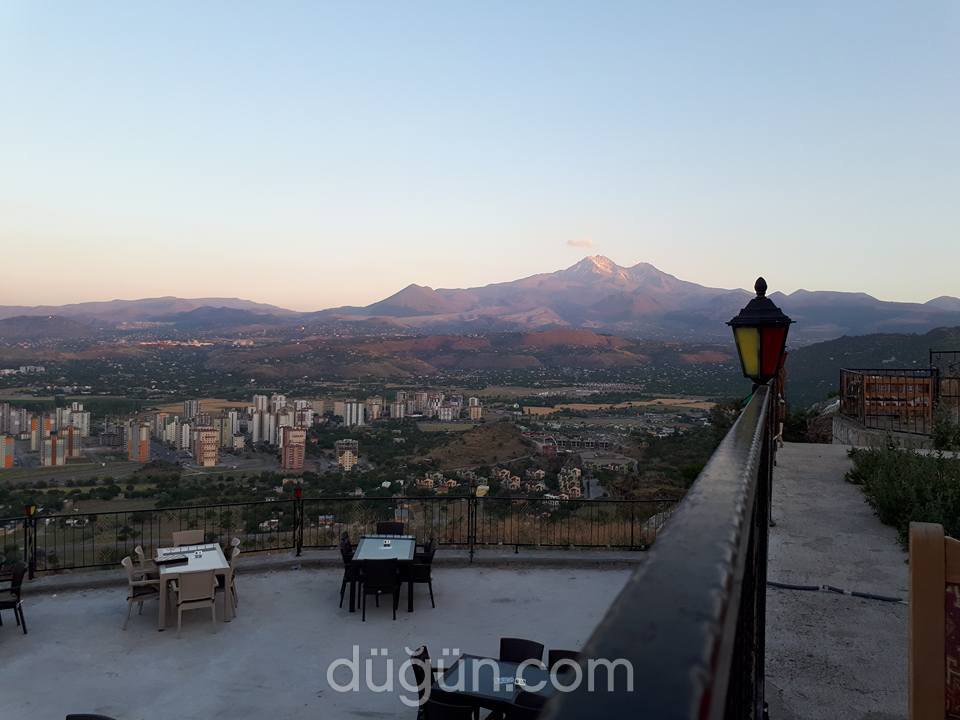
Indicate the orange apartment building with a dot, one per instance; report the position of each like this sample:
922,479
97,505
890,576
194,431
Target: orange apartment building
6,451
138,442
294,442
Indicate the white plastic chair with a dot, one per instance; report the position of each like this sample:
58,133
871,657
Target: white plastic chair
196,591
139,589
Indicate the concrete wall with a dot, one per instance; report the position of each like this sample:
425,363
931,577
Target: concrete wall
849,432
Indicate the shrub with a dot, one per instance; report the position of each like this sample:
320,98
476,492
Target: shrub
946,433
904,486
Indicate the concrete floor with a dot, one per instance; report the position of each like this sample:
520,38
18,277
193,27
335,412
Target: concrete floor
833,656
271,662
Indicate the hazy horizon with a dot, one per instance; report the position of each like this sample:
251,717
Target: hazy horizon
319,155
387,293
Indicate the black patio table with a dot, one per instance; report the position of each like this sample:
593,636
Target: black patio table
374,547
492,683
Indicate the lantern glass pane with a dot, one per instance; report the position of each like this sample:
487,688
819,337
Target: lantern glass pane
773,341
748,345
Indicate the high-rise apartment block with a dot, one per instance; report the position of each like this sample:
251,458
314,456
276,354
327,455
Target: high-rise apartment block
7,444
475,408
348,453
294,448
191,408
373,408
137,441
52,450
353,412
206,446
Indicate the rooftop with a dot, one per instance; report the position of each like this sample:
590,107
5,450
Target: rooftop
827,654
271,661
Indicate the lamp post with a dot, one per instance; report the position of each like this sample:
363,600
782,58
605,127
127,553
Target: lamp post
760,330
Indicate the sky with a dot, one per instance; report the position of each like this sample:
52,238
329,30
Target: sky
315,154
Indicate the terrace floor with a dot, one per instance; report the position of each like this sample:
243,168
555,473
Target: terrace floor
271,661
833,656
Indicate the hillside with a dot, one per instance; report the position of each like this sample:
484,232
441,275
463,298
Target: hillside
483,445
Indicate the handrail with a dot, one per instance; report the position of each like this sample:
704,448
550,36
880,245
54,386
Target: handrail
690,621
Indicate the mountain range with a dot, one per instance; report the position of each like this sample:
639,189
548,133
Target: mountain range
596,293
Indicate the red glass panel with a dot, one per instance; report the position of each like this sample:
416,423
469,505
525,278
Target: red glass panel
772,341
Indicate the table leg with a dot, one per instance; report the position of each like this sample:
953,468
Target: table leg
162,619
353,596
227,598
410,596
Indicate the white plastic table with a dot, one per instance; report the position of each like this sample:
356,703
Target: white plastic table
211,558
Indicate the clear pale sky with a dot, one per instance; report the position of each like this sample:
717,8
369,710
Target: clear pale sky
312,154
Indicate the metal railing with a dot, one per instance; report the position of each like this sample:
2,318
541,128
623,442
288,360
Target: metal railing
691,621
69,541
898,400
947,365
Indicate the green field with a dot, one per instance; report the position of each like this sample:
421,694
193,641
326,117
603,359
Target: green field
79,471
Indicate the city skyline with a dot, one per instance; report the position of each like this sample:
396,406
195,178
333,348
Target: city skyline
319,156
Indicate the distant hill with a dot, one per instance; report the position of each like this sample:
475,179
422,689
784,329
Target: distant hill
814,370
143,309
223,319
595,293
635,301
46,328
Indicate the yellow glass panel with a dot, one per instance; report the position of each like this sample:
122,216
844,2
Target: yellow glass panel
748,345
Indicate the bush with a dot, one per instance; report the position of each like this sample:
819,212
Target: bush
946,433
904,486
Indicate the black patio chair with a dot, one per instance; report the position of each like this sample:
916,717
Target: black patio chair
420,570
526,706
423,672
436,710
425,551
10,599
555,656
390,528
518,650
351,571
379,576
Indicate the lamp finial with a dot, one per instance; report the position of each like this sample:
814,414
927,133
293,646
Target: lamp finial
761,287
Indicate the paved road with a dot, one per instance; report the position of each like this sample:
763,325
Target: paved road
833,656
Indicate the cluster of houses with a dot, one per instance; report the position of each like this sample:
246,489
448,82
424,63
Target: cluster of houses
533,482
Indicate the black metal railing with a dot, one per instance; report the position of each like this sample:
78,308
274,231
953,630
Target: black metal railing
67,541
947,365
690,623
897,400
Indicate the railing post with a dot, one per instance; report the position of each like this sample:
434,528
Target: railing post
298,518
30,544
633,545
471,524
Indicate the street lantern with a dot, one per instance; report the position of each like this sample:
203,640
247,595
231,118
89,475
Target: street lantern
760,330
